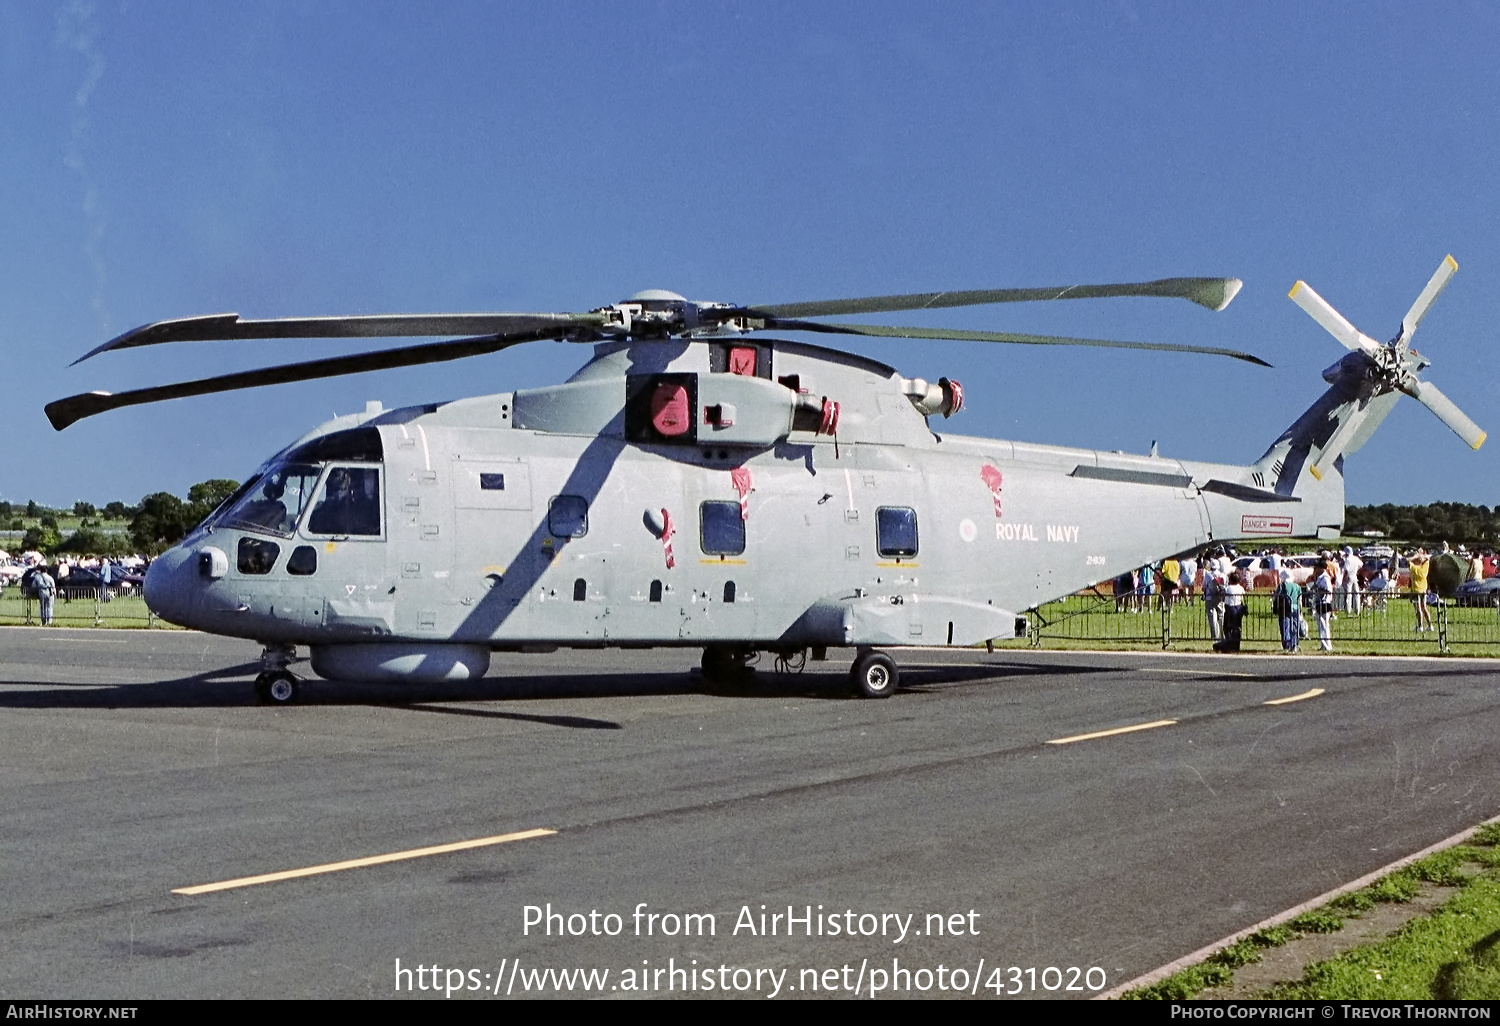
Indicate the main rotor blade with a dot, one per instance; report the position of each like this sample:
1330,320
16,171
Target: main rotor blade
879,331
229,327
1435,285
1319,310
68,411
1426,393
1214,293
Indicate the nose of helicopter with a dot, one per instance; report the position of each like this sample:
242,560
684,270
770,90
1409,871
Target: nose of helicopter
170,586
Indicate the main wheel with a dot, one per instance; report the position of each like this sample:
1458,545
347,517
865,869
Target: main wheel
727,664
874,675
279,688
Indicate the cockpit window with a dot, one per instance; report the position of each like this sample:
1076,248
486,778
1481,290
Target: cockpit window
355,445
276,501
349,503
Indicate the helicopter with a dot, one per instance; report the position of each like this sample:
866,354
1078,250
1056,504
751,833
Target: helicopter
701,483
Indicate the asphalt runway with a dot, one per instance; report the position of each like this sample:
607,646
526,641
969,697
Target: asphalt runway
135,763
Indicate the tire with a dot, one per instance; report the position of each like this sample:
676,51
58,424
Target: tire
279,688
726,664
874,675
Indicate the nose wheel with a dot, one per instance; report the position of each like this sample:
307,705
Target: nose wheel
278,688
874,675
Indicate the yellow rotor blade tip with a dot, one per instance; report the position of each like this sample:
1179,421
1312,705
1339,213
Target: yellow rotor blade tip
1293,294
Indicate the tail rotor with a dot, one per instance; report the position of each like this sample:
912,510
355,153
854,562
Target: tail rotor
1392,366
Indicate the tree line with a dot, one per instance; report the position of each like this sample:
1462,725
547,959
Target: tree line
157,522
1457,523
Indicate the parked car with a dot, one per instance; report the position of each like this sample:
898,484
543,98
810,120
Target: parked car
1303,569
83,582
1478,593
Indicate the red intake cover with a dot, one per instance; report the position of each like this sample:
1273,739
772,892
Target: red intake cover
669,410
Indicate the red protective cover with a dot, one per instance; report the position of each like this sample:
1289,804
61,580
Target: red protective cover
669,410
742,361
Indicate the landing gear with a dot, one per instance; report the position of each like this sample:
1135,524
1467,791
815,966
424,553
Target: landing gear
279,688
874,675
727,664
275,684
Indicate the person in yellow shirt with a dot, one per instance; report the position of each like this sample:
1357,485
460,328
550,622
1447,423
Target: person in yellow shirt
1171,575
1420,564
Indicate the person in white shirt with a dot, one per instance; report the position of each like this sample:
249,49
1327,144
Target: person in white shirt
1349,585
1188,577
1234,614
1323,608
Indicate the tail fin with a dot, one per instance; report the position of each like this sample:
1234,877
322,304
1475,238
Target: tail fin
1338,424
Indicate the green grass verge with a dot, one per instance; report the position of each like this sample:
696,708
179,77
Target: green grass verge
1453,953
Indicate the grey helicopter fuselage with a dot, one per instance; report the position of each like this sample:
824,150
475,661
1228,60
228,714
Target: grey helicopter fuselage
698,493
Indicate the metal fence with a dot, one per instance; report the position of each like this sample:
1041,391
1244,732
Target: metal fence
78,607
1384,624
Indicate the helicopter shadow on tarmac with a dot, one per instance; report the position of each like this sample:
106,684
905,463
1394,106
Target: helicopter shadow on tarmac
231,686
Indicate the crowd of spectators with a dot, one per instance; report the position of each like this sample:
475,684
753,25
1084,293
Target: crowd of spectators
1326,584
69,578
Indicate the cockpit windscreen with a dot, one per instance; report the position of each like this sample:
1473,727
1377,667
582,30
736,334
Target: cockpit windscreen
275,505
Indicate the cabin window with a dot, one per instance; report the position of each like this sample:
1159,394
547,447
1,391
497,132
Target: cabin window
257,556
722,529
492,482
655,591
728,591
568,516
580,590
303,561
896,531
349,504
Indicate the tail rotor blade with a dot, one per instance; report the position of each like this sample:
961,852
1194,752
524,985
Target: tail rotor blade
1426,393
1435,286
1319,310
1335,446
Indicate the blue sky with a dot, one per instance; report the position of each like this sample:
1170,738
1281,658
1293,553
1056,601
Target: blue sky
279,159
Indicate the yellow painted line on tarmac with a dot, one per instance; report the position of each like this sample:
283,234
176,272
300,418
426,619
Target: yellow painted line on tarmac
373,860
1314,693
1110,733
